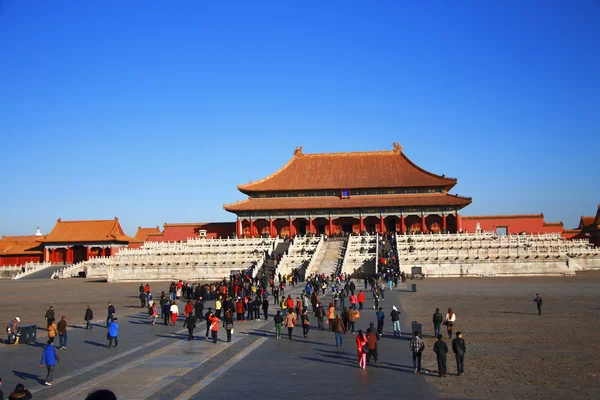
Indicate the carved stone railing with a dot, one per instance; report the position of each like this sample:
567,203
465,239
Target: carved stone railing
31,268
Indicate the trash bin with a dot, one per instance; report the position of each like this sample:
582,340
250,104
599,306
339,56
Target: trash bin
28,334
416,327
414,287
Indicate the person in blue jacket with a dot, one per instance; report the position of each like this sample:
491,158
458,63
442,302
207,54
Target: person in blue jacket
113,333
49,359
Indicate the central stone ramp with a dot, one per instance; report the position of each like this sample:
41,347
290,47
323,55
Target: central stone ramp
332,257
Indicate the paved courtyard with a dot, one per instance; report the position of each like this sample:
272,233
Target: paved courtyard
512,352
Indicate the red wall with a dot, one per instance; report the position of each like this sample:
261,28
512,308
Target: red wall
19,260
515,224
182,232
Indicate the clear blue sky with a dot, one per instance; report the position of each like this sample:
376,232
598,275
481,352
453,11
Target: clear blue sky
155,111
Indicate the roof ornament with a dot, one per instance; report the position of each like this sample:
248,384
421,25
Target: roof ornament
38,233
298,150
397,147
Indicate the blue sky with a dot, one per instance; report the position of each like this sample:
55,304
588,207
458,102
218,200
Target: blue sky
155,111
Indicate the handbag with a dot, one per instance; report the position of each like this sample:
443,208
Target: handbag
108,336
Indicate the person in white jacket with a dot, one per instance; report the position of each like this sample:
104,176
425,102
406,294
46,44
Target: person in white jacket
174,313
449,321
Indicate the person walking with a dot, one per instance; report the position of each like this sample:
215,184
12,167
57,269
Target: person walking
449,322
190,324
207,317
361,348
278,319
88,317
538,300
50,316
353,301
49,360
380,319
214,327
320,315
440,348
438,318
395,316
113,333
305,323
142,298
417,346
372,338
153,312
13,330
351,320
199,309
228,323
459,348
174,313
62,333
331,315
111,314
338,327
52,330
166,312
361,300
265,307
290,322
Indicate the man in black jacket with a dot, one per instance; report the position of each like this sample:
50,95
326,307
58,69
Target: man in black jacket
199,307
440,348
320,315
50,315
460,348
538,300
207,318
89,316
111,314
190,323
438,318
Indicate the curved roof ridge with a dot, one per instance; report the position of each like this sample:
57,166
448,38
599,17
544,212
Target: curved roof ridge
270,176
427,172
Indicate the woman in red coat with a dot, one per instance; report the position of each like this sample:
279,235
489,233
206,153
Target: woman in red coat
361,341
361,300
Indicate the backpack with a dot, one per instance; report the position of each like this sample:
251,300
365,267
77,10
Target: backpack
415,346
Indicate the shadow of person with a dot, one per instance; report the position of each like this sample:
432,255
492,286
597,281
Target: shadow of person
25,376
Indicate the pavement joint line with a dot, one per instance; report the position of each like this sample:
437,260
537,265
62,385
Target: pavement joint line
104,377
103,362
193,390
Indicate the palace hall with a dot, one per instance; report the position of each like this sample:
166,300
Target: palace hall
335,193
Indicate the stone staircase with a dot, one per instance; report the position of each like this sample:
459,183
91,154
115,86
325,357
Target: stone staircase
331,257
268,267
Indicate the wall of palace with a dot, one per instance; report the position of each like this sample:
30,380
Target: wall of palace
514,224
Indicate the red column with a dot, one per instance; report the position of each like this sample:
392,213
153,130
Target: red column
444,222
291,227
330,225
251,228
271,227
402,225
310,225
382,224
362,224
238,228
423,224
458,222
87,253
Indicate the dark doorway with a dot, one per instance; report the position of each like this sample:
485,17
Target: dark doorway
79,254
391,224
321,229
370,228
347,228
301,227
